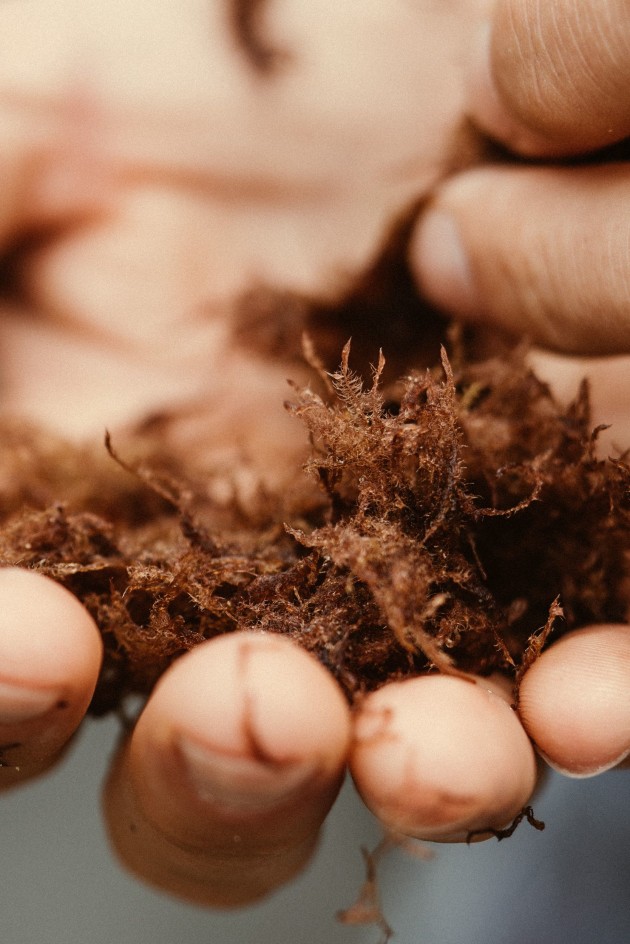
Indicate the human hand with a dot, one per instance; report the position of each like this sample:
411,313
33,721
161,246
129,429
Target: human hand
123,237
152,175
542,249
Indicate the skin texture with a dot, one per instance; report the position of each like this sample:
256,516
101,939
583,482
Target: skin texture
423,749
142,193
50,655
549,80
585,731
562,275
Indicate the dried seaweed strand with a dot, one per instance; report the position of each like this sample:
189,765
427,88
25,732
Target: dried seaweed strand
367,909
526,813
535,646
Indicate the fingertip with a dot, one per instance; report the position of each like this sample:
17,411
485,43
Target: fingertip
439,757
492,113
253,693
549,277
230,771
47,636
249,727
574,701
485,105
527,85
50,657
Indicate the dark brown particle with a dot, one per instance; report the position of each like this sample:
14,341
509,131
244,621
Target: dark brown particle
527,813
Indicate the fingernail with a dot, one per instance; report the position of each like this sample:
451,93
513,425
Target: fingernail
241,784
19,704
584,773
442,264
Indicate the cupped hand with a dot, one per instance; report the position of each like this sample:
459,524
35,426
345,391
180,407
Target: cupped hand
219,792
151,175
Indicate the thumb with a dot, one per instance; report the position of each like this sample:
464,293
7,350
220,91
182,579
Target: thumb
535,251
552,78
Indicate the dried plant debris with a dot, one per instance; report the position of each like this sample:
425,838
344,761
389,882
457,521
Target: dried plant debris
440,528
367,908
527,813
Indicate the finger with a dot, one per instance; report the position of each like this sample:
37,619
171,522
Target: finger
553,78
439,757
237,758
536,251
575,700
50,655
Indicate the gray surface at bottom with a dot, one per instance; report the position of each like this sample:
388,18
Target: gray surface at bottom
60,884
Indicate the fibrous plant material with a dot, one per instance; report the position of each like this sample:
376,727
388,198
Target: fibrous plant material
439,525
527,813
367,908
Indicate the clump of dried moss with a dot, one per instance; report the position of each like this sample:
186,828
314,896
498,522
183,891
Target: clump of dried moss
433,527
